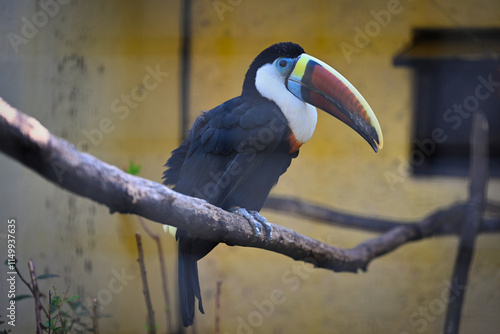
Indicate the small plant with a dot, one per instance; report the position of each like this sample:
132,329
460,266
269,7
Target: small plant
64,314
133,169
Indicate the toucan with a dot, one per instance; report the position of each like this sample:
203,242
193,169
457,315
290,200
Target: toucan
235,153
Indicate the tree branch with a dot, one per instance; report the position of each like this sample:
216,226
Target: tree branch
36,296
27,141
151,325
95,322
472,219
163,271
450,220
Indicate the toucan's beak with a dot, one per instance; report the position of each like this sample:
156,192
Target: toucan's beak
317,83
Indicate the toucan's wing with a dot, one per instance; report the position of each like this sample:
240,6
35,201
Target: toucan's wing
226,145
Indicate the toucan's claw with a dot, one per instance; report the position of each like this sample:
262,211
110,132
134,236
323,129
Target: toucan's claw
256,220
245,214
261,219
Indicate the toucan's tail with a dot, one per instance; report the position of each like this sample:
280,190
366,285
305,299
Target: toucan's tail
189,287
190,251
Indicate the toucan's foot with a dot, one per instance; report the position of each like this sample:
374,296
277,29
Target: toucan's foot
248,216
256,220
263,221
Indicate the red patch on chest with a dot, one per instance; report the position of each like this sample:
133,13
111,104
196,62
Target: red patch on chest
294,143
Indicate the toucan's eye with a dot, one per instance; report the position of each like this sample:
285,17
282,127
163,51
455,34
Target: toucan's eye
284,65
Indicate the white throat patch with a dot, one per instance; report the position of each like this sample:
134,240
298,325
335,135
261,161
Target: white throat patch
301,116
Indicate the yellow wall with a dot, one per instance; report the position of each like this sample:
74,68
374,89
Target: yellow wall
72,73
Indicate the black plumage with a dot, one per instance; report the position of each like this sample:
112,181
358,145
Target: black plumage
232,157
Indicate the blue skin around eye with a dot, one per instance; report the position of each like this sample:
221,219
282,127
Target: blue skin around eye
283,70
293,87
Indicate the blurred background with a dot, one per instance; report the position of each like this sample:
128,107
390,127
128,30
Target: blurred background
106,76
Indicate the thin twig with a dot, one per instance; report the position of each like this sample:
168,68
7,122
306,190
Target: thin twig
335,217
494,208
30,288
145,288
163,270
36,295
50,303
294,206
59,307
217,307
477,195
23,279
94,315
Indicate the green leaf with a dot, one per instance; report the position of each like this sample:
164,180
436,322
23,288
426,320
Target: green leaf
72,298
65,314
133,169
74,305
21,297
50,325
54,304
83,314
45,276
